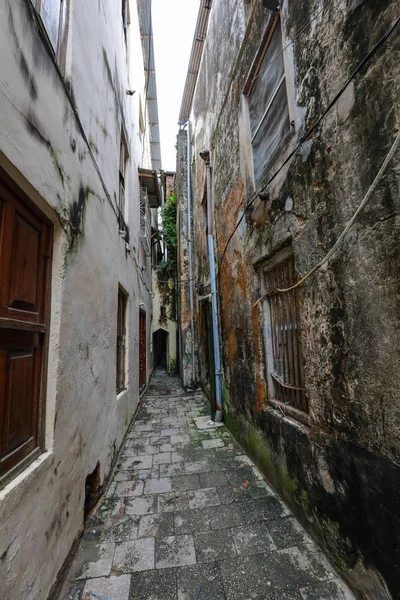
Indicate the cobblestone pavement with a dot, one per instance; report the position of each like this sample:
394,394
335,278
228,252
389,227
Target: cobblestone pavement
188,516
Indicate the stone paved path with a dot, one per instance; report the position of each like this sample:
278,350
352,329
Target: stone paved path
187,516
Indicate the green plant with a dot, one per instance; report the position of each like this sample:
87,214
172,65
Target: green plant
172,366
169,233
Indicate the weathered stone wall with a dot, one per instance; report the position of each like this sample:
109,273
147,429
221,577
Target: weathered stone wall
340,475
71,173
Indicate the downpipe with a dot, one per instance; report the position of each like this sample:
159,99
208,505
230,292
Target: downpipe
190,251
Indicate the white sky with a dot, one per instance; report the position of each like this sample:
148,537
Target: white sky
174,23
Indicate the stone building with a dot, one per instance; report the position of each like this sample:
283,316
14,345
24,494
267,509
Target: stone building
79,155
294,112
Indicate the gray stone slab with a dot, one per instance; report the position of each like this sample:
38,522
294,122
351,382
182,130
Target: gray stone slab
191,521
205,423
115,587
183,483
172,502
287,532
158,486
132,556
163,458
176,457
117,528
202,581
153,585
156,525
214,545
330,590
267,575
231,493
175,551
180,438
213,479
140,505
203,497
171,470
225,516
129,488
94,560
252,539
168,432
319,563
135,462
263,509
207,444
200,466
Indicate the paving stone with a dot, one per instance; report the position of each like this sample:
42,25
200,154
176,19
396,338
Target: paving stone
267,575
158,486
201,581
137,555
153,585
176,457
135,462
168,432
116,529
175,551
129,488
115,587
172,502
252,539
287,532
182,483
212,444
141,505
237,476
228,494
330,590
94,560
320,565
166,448
156,525
225,516
262,510
173,469
163,458
176,439
190,521
213,479
203,498
200,466
214,545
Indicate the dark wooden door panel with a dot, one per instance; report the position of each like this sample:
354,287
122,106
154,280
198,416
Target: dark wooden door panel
142,349
23,288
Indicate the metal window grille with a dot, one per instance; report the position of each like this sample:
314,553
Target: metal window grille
288,372
121,334
145,222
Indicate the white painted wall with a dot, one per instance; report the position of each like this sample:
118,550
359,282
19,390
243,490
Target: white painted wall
41,511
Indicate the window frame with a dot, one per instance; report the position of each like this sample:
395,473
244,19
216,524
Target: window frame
121,354
285,392
248,88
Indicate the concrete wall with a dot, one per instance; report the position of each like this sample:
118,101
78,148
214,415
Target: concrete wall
164,296
340,473
64,153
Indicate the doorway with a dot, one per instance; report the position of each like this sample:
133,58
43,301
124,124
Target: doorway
142,349
160,348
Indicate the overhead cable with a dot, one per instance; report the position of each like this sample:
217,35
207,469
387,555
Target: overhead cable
349,225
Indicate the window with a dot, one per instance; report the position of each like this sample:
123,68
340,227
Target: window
125,18
285,360
145,221
25,266
268,104
123,159
55,18
121,335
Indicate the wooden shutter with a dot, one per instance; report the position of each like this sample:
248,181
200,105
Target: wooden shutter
25,261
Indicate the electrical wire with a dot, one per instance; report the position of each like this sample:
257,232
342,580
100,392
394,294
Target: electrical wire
305,137
306,26
349,225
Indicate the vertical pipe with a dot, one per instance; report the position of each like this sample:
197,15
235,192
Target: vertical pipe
189,213
214,304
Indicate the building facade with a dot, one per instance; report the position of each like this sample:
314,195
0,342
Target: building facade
291,114
79,152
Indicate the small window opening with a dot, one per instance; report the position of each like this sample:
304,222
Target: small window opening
121,340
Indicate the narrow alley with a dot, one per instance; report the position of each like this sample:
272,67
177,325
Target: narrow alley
187,516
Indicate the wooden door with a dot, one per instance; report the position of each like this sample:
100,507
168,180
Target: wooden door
25,257
142,348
